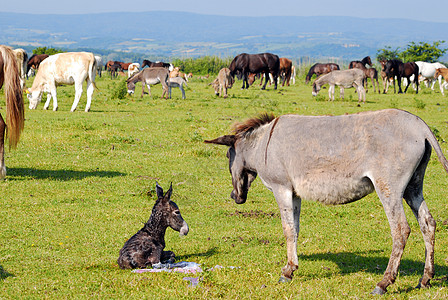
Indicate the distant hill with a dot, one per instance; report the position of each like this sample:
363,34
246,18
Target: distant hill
179,34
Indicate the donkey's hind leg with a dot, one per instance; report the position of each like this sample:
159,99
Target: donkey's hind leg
414,198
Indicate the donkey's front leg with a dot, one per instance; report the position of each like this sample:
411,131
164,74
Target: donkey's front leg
290,214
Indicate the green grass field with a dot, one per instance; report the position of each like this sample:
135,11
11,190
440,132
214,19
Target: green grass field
80,184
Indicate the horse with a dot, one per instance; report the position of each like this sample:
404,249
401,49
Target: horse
396,68
145,248
427,70
265,63
22,60
34,62
444,73
285,70
371,73
387,81
157,64
149,76
344,79
15,111
338,160
365,61
114,68
320,69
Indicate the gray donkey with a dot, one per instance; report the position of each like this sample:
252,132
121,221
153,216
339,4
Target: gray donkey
145,248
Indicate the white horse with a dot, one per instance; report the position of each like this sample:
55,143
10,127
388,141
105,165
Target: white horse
427,71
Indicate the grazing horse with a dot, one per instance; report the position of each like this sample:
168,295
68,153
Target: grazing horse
265,63
396,68
157,64
320,69
15,112
338,160
34,61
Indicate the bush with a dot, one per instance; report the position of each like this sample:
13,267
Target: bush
119,90
202,65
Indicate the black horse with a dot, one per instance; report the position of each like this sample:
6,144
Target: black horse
265,63
396,68
320,69
151,64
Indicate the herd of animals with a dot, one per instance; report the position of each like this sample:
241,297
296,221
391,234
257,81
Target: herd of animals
293,158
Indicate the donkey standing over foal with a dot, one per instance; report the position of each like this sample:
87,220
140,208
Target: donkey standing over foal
338,160
145,248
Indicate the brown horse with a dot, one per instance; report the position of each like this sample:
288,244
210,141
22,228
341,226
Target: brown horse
396,68
320,69
285,70
35,61
265,63
159,64
15,116
371,73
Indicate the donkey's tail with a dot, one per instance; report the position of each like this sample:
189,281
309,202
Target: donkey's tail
15,112
431,138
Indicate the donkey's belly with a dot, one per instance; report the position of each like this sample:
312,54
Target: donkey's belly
336,190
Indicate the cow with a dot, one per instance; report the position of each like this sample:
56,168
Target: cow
64,68
223,82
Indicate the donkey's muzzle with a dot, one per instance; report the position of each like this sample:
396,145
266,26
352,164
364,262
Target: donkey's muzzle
238,199
184,229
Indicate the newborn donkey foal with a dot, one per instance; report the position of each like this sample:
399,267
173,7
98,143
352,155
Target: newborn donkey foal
145,248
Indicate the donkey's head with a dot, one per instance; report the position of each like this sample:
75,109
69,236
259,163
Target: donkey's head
316,88
168,211
241,177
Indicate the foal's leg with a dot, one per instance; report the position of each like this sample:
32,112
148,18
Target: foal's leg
2,148
290,214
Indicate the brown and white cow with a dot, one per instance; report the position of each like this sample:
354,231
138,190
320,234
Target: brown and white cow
64,68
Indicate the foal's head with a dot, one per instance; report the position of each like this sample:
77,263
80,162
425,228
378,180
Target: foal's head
167,213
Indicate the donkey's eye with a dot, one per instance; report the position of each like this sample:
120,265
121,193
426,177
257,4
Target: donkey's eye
176,212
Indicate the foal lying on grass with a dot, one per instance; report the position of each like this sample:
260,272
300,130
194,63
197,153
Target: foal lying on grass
145,248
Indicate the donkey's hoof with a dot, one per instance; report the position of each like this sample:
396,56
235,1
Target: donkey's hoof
378,291
284,279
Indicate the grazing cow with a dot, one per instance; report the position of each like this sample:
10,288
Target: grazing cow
145,248
344,79
223,82
338,160
22,60
64,68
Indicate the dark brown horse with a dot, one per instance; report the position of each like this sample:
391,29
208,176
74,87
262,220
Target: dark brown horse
35,61
396,68
15,116
371,73
285,70
264,63
159,64
320,69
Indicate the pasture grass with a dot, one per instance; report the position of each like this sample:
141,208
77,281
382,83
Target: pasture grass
80,184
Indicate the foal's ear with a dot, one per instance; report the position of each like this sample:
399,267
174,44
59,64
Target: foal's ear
159,191
168,194
226,140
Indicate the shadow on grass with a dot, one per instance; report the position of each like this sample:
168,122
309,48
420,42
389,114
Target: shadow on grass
61,175
210,252
375,261
4,274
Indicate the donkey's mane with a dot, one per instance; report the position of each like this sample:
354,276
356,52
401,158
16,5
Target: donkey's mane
250,125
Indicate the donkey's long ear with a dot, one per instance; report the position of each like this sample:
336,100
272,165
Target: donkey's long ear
226,140
159,191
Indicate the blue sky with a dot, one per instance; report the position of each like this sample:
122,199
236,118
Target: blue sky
411,9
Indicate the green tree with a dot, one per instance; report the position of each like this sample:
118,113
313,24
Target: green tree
45,50
387,53
423,51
